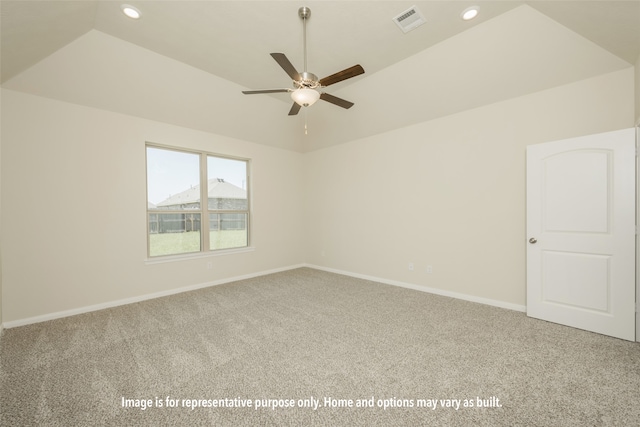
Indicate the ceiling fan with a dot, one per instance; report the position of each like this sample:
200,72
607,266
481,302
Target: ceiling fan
307,88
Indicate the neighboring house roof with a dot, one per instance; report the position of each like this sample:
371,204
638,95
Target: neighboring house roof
218,189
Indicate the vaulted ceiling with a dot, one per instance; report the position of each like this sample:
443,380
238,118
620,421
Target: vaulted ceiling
186,62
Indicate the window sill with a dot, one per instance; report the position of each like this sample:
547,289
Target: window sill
198,255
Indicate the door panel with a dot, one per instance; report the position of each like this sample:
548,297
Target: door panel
576,280
585,189
581,215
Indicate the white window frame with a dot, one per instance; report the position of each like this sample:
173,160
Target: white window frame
204,210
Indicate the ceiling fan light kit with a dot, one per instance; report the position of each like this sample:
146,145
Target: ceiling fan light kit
307,88
305,97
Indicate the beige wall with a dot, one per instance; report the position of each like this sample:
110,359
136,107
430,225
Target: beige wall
449,193
74,208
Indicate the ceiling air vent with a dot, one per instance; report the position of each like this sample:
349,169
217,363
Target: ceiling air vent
409,19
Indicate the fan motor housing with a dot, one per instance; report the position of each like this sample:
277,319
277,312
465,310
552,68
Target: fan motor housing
308,80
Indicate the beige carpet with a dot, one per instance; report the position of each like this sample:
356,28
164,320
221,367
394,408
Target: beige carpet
307,337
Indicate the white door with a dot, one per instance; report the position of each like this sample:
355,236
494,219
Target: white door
581,232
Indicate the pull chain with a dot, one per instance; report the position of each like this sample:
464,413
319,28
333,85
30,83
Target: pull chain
305,123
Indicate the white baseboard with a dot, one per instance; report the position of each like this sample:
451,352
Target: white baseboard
457,295
110,304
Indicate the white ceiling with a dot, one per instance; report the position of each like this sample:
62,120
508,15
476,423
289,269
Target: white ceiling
88,52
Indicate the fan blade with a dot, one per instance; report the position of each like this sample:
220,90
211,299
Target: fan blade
345,74
253,92
335,100
282,60
294,109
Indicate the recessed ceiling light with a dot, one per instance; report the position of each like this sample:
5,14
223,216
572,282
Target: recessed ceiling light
470,13
131,11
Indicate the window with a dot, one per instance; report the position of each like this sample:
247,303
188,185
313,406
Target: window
177,183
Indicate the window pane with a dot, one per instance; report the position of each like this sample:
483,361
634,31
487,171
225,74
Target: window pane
177,211
172,179
227,184
171,234
227,231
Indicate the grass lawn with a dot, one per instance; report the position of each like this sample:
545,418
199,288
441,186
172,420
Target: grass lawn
181,243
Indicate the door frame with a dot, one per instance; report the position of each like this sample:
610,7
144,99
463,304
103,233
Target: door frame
637,127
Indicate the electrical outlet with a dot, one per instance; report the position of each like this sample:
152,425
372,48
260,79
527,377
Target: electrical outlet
429,269
209,265
410,266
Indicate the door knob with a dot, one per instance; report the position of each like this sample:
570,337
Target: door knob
533,240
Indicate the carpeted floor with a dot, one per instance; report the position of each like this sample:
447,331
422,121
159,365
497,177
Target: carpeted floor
307,337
